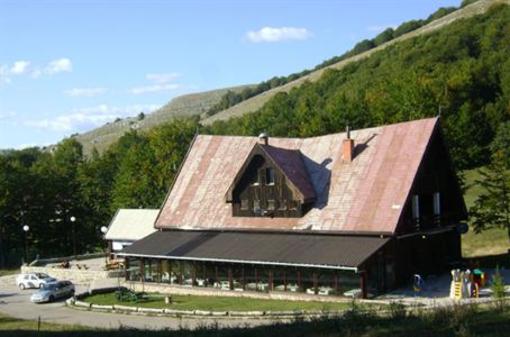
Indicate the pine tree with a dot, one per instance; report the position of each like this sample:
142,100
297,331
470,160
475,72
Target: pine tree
492,208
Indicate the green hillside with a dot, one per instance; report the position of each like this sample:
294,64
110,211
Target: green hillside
183,106
254,103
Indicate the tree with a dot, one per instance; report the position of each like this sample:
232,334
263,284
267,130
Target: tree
492,208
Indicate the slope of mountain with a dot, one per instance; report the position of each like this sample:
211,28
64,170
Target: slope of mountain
254,103
183,106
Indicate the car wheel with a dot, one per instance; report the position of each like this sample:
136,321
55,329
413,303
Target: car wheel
51,298
21,286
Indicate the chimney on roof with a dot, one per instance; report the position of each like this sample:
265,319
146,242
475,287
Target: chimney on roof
264,138
348,146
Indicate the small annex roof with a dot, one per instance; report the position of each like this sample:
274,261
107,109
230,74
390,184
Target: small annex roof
131,224
290,162
367,194
291,249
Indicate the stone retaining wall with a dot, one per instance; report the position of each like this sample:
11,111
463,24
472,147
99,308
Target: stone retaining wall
75,275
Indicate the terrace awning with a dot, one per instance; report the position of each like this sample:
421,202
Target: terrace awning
288,249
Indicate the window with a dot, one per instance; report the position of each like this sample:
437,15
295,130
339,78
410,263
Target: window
282,205
416,207
256,206
269,176
271,205
437,203
245,205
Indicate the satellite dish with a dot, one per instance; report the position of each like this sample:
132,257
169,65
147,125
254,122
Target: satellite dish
462,228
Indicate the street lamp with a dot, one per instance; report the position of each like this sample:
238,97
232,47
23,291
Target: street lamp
73,220
25,228
104,229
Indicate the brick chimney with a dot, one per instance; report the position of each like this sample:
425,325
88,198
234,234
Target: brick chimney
348,147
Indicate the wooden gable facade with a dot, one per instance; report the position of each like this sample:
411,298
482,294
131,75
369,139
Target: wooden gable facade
263,187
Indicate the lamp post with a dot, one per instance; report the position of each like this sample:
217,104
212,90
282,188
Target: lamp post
73,220
104,229
26,228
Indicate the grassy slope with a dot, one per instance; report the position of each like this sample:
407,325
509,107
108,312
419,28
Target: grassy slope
489,242
256,102
182,106
182,302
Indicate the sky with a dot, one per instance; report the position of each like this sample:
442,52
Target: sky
69,66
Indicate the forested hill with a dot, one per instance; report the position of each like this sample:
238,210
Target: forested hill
244,99
461,71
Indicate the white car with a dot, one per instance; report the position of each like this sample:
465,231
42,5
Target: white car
33,280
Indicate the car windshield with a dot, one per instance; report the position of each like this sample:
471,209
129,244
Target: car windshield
41,275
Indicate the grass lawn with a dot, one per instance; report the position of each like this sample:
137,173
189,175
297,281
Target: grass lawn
489,242
216,303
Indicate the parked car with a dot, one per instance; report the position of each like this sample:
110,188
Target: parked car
33,280
53,291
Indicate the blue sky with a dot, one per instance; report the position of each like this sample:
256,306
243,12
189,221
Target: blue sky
69,66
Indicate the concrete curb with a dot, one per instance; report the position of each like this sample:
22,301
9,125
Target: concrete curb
75,303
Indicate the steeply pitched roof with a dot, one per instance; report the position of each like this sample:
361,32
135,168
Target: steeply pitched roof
291,164
132,224
259,248
365,195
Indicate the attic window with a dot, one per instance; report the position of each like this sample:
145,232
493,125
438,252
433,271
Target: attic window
269,176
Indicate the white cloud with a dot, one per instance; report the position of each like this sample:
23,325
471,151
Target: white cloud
154,88
84,118
59,66
20,67
162,77
85,92
23,67
277,34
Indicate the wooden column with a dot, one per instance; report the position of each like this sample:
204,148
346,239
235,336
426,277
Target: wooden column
363,284
142,269
336,283
230,278
243,278
315,283
181,273
126,268
270,280
256,279
299,280
193,273
284,280
216,278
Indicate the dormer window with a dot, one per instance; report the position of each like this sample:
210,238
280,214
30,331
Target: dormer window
270,176
255,191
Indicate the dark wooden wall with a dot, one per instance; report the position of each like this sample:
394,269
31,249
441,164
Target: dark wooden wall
435,174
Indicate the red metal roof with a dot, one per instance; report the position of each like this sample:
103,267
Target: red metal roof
365,195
